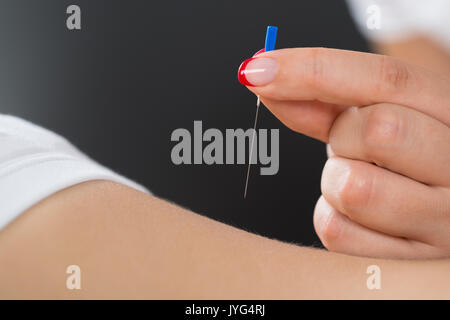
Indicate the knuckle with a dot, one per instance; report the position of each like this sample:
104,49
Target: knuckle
393,74
314,67
382,130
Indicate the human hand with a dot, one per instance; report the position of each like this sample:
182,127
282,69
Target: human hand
386,188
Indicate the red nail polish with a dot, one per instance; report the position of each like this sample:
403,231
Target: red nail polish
241,73
260,51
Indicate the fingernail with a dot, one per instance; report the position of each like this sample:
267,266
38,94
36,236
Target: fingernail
260,51
330,152
256,72
327,222
334,177
322,214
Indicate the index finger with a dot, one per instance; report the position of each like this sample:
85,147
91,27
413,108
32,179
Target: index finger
346,78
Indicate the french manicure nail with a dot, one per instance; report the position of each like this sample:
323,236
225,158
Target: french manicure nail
256,72
259,52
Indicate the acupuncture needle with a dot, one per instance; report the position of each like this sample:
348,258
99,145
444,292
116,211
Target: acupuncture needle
258,103
271,37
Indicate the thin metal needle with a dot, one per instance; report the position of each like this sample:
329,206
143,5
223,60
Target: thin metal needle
258,103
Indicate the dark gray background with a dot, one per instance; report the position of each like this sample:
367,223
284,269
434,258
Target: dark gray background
140,69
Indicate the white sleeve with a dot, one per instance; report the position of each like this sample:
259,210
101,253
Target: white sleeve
35,163
401,19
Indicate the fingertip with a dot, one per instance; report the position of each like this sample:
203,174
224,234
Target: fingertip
334,178
326,223
257,71
330,152
259,52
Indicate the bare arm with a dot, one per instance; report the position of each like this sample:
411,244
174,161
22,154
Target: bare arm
131,245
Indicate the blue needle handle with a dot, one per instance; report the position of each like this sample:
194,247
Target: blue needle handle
271,38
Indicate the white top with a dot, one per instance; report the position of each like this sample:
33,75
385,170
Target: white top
402,19
35,163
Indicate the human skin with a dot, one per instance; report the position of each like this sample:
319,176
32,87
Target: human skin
386,189
130,245
418,50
